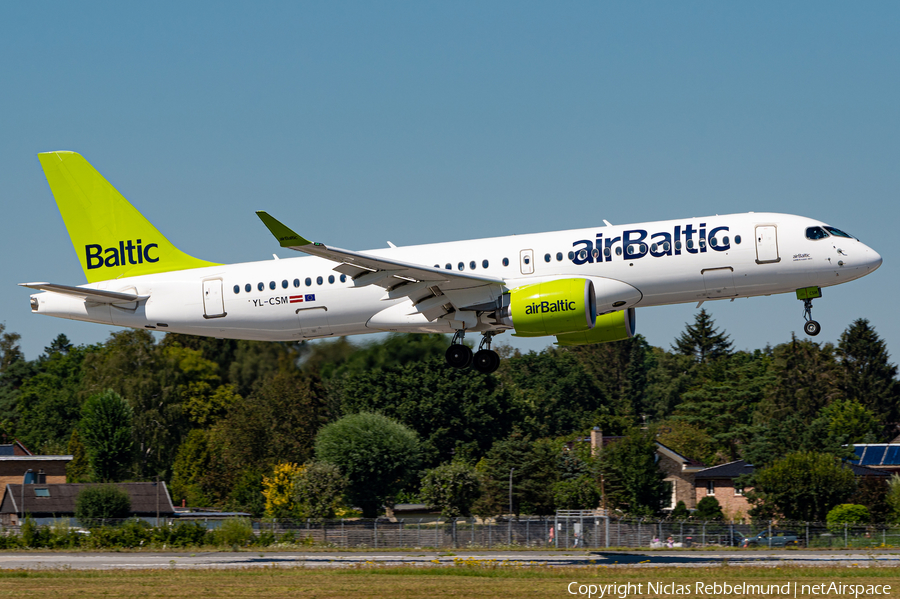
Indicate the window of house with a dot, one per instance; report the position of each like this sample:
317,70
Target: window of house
710,487
42,492
738,490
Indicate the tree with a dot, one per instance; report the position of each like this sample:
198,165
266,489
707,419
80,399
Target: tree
536,469
78,470
193,478
453,488
850,422
10,352
376,454
702,340
893,498
632,480
805,485
867,376
723,399
318,491
101,503
681,511
278,489
580,493
708,508
458,418
106,425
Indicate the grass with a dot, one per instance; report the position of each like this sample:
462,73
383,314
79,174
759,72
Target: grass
469,578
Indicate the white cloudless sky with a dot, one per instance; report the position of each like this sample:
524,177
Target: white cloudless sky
361,122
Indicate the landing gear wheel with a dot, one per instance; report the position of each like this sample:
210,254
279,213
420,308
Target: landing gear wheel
486,361
812,328
459,356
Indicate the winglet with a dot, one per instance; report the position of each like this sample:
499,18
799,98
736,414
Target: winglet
282,233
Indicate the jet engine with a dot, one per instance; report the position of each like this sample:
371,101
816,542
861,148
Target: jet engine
550,308
614,326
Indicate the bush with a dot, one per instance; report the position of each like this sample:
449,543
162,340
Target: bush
708,508
101,503
235,532
681,512
182,534
847,513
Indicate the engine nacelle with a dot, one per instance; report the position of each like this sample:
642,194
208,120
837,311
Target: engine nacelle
551,308
614,326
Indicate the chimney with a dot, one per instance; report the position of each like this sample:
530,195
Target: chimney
596,441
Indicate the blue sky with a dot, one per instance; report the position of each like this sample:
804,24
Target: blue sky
358,123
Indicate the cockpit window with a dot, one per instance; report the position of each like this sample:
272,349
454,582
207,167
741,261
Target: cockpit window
816,233
839,233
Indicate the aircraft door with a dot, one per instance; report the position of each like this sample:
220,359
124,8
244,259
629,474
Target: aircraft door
213,300
526,261
719,282
314,322
766,244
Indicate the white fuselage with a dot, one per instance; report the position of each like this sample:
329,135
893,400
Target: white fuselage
645,264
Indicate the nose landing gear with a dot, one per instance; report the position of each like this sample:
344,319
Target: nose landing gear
811,328
485,360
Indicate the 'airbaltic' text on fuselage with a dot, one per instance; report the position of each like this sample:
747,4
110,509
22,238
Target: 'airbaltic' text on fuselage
635,244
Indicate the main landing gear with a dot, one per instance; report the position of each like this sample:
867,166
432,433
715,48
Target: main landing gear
811,328
485,360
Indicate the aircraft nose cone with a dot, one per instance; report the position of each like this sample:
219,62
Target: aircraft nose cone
873,259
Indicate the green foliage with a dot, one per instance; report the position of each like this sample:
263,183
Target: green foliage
804,486
580,493
378,456
78,470
234,532
10,352
892,498
318,491
459,416
702,341
102,503
850,422
708,508
866,374
452,488
633,482
192,469
681,512
106,425
536,466
690,440
847,513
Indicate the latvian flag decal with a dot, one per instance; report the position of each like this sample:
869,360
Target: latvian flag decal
296,298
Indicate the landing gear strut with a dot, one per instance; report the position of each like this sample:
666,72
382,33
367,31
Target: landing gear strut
486,360
459,355
811,328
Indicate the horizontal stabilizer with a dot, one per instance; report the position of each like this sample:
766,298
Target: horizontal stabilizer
92,295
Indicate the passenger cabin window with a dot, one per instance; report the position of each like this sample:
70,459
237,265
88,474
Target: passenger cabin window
506,262
284,284
343,278
271,284
296,282
261,286
839,233
559,256
484,263
308,281
816,233
318,280
472,265
547,258
331,279
461,266
248,287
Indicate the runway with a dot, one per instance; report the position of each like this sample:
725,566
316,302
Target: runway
250,559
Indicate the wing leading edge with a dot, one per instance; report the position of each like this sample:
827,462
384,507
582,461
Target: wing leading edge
433,292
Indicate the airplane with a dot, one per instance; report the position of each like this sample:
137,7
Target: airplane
581,286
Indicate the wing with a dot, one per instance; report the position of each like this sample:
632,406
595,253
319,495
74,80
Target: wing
92,295
434,292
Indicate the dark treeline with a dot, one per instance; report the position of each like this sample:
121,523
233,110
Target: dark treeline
214,417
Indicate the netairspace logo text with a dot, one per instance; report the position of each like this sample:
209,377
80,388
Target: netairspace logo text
723,589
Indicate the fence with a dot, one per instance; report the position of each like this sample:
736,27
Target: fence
580,530
565,530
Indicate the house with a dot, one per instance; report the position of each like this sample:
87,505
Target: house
878,456
17,463
719,482
48,502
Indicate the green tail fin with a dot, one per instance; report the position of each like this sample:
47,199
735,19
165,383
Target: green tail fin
112,239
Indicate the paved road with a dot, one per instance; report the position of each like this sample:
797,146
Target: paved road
249,559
